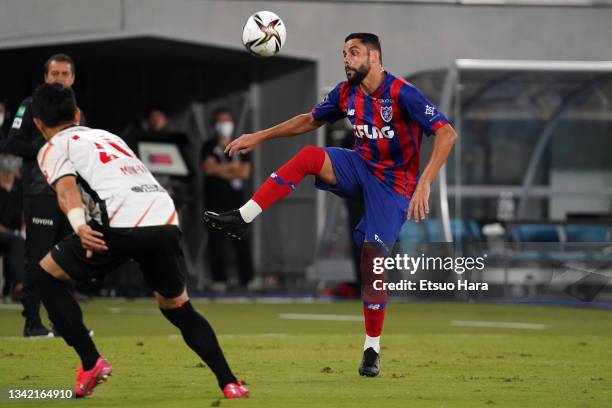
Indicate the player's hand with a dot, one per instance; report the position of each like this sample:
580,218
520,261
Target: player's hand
419,204
244,144
91,240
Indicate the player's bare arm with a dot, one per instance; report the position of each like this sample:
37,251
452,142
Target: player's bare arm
71,203
297,125
444,140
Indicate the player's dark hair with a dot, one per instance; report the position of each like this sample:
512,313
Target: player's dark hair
217,112
54,104
368,39
60,58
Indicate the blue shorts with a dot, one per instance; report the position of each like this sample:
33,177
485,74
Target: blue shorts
385,210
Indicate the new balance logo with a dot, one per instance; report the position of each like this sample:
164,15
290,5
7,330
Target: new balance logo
282,182
380,241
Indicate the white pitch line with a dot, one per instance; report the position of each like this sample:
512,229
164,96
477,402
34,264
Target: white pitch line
329,317
499,325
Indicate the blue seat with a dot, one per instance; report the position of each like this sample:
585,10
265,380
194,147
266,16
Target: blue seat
474,230
462,231
586,233
536,233
412,232
434,230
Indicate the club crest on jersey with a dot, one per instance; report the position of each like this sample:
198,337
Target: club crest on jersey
386,112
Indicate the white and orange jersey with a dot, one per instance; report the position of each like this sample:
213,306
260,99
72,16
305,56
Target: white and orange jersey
118,189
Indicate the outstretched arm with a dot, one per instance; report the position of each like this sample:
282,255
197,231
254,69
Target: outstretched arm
295,126
443,144
71,203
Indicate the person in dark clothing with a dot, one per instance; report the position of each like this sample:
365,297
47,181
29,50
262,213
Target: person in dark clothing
46,225
157,119
12,244
224,187
4,113
153,127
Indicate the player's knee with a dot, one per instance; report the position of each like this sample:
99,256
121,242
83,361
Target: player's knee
311,152
312,158
50,267
309,149
171,302
42,279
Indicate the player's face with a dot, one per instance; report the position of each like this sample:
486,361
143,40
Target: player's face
60,71
356,61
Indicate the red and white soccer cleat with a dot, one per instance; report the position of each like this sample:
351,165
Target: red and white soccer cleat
233,390
86,381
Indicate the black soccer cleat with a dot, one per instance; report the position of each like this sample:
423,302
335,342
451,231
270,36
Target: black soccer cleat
230,222
370,365
55,332
35,328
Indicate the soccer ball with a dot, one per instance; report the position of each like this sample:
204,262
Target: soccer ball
264,34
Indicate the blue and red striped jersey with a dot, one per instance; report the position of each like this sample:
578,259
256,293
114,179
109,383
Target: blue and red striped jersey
388,125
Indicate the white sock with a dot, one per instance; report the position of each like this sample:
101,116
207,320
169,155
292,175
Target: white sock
373,342
250,210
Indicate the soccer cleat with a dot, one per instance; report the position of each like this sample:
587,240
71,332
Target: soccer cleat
233,391
86,381
56,333
370,365
35,328
230,222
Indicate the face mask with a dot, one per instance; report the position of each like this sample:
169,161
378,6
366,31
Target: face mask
1,118
224,129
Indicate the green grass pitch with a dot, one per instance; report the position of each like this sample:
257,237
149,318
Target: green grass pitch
426,360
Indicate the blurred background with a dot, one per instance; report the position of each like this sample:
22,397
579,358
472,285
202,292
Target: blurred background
526,83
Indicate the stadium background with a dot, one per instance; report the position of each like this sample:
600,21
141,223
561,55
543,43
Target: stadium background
296,350
188,55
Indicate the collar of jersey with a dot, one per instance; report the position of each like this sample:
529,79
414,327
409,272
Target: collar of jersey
75,128
381,87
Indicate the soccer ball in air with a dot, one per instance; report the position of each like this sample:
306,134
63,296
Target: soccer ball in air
264,34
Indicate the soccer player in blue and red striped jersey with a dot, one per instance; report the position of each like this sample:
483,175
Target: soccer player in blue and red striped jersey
389,117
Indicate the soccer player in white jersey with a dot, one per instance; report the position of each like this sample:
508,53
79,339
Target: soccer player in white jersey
131,217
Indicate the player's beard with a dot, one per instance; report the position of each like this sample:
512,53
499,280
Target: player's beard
358,74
